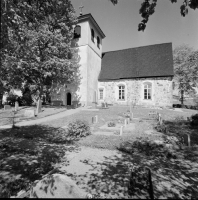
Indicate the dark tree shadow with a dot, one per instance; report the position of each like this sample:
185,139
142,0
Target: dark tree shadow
28,153
110,178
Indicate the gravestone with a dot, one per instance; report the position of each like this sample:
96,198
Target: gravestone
104,105
125,122
153,114
92,119
121,130
131,115
38,109
16,106
96,118
29,113
128,120
7,107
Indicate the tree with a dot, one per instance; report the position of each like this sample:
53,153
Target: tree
185,69
148,8
36,42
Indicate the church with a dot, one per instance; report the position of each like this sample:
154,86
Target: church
141,75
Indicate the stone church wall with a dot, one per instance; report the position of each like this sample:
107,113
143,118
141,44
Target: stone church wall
134,91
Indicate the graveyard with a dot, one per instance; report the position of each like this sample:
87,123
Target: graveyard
117,138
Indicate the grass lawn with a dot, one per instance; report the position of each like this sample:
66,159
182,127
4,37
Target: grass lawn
30,152
6,116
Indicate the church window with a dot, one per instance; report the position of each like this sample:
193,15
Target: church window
92,35
121,92
147,90
98,42
77,32
101,93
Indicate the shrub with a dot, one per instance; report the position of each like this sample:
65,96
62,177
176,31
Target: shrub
78,128
111,124
194,120
58,137
147,147
161,128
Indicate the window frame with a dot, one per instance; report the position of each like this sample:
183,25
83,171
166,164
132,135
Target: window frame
101,89
92,35
75,34
147,91
121,92
98,42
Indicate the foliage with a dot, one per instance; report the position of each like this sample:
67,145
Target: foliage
36,39
26,156
12,98
148,8
125,114
194,120
78,128
185,70
147,147
111,124
26,99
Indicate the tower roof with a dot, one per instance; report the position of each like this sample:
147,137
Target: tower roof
87,17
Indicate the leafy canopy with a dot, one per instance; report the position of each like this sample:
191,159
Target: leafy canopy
185,68
148,8
36,41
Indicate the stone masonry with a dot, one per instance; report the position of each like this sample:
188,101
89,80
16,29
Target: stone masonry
134,91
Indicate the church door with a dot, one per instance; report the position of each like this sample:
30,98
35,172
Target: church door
68,98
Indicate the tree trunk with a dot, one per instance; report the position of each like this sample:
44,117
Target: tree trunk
182,98
39,104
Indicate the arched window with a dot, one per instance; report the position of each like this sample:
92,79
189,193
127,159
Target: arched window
147,90
92,35
98,42
121,92
77,32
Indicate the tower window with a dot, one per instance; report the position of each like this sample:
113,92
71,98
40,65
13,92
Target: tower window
98,42
92,35
77,32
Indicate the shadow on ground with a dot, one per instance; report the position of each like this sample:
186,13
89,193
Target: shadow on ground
28,153
109,178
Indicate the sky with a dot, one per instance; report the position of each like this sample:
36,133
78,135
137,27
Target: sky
120,23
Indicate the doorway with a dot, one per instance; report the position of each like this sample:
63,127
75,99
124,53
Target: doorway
69,98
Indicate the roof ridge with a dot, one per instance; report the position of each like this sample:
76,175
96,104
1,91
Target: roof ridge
138,47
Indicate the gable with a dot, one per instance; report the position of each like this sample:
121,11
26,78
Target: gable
148,61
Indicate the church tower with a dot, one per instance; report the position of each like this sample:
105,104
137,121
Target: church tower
88,43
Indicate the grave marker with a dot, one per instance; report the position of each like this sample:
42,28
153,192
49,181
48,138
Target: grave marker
38,109
121,130
96,118
7,107
131,116
93,120
125,122
16,106
128,120
29,113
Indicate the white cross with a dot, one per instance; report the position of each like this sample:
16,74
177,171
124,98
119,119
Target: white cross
81,7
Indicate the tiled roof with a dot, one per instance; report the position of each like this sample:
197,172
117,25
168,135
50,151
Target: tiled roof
147,61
